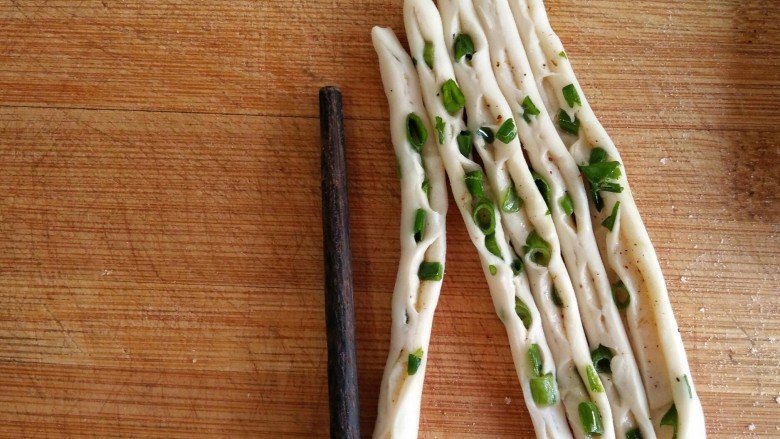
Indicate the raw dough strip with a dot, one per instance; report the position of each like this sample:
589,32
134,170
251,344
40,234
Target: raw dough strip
503,159
509,292
423,219
660,353
550,158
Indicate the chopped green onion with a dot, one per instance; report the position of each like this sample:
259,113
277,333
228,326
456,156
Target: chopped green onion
419,225
452,97
609,222
517,266
463,46
543,186
507,132
590,418
571,95
562,54
414,61
510,202
529,109
537,248
440,125
634,433
428,54
430,271
415,359
620,295
485,216
556,299
670,419
602,356
464,142
688,386
571,126
426,187
535,357
493,270
523,312
544,390
598,155
474,183
593,380
602,176
487,134
492,245
416,132
566,204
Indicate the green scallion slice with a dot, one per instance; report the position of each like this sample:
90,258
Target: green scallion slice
620,295
602,356
544,390
416,133
493,270
566,204
474,183
487,134
543,186
590,418
535,358
555,297
593,379
426,187
537,249
452,97
602,177
510,202
440,125
517,266
529,109
523,312
567,124
485,216
597,155
464,143
414,361
670,419
602,174
428,54
507,132
419,225
492,245
609,222
571,95
562,54
463,46
430,271
634,433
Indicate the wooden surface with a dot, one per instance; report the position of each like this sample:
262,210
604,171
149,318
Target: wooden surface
161,268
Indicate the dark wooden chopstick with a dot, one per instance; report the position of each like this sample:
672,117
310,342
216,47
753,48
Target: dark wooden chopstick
339,306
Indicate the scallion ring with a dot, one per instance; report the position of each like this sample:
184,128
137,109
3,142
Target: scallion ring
484,216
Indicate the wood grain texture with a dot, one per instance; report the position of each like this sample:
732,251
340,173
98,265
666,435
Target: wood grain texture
160,221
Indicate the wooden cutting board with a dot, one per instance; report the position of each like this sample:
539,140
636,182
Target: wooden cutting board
160,242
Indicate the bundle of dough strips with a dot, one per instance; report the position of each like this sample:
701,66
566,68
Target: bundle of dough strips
488,96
